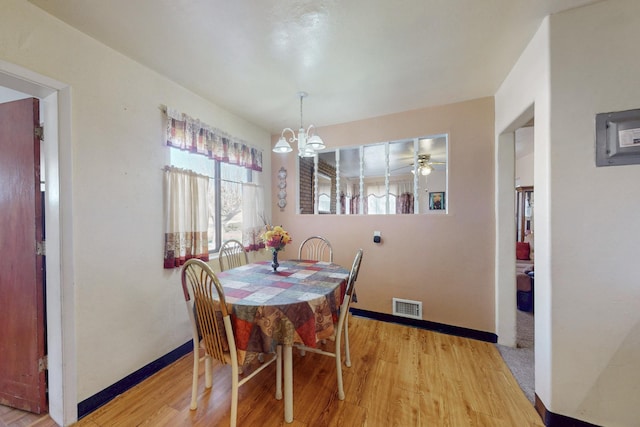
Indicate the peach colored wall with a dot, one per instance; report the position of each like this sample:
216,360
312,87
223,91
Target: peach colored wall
445,261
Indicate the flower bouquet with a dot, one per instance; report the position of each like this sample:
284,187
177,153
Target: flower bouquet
275,238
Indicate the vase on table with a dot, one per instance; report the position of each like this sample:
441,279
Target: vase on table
274,262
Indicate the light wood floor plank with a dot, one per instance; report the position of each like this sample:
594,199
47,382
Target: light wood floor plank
400,376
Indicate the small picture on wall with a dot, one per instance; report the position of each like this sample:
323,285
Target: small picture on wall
436,200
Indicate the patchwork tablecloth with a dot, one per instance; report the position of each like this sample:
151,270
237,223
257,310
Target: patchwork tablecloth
298,304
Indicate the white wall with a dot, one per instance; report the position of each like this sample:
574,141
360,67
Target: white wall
587,293
129,310
595,287
7,95
524,160
524,171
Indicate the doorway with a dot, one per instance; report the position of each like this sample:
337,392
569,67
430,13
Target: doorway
55,100
518,355
520,359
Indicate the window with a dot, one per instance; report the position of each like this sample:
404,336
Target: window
225,194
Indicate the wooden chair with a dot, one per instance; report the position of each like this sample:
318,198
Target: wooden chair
342,326
212,332
232,254
316,248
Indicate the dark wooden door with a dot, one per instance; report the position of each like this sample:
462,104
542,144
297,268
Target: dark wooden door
22,317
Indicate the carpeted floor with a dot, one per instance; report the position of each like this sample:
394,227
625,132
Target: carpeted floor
520,359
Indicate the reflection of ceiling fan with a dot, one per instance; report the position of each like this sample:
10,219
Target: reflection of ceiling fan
425,164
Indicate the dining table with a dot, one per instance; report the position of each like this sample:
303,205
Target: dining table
298,303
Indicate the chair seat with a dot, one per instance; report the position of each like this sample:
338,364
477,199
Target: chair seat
254,363
226,354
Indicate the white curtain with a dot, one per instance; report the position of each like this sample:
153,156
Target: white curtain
186,213
400,197
253,217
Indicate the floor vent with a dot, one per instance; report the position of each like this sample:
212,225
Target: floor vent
407,308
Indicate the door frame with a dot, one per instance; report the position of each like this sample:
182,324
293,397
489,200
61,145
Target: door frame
55,99
505,266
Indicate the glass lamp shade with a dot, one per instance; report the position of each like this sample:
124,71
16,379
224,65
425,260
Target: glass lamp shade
316,143
425,170
282,146
306,151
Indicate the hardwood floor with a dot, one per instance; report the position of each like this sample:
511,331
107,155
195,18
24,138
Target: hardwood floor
400,376
10,417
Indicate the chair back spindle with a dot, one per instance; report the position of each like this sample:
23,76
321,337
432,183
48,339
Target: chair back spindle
316,248
232,254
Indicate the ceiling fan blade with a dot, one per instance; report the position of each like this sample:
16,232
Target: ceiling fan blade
410,167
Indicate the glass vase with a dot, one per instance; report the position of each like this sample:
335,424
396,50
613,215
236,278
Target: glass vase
274,262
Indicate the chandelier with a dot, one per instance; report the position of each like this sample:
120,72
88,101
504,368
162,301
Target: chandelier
308,142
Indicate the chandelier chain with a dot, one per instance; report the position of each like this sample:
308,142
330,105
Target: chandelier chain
301,96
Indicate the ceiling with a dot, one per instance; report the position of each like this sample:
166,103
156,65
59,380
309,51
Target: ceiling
357,59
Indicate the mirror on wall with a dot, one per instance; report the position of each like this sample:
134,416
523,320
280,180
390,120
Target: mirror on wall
397,177
326,191
524,212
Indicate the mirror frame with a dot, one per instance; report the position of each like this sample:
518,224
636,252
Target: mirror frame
370,157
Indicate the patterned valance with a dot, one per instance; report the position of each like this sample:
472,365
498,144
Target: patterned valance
191,134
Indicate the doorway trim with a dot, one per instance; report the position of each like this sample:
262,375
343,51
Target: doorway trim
60,301
505,264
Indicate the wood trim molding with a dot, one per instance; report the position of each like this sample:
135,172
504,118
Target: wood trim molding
556,420
101,398
431,326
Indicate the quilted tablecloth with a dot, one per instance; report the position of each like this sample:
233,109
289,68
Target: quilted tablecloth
298,304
